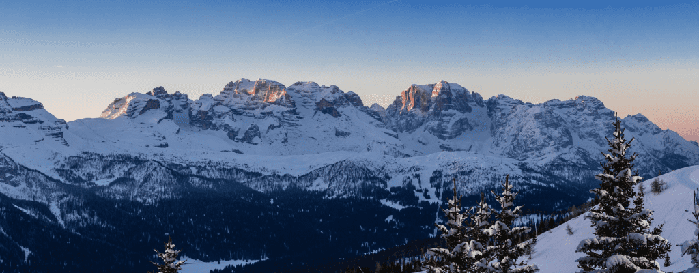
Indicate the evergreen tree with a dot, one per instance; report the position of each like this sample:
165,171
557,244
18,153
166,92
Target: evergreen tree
623,242
169,257
658,185
691,247
479,223
465,245
504,250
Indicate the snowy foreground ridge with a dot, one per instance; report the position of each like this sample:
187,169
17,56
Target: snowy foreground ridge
555,250
197,266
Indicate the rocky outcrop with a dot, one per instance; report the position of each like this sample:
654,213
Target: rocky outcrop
252,135
158,92
353,99
435,106
150,104
415,97
327,107
29,107
265,91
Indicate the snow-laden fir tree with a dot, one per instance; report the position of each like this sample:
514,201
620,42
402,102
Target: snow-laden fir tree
479,223
623,241
504,250
658,185
465,244
691,247
169,257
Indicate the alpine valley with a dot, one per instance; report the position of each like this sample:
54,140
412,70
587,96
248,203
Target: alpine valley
295,174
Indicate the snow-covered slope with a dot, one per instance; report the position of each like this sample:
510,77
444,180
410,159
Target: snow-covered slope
555,250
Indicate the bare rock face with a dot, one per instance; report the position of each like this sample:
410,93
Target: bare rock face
415,97
250,134
449,96
327,107
158,92
434,105
353,99
29,107
265,91
150,104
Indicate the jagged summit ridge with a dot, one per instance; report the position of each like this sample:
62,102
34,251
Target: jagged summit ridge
312,129
265,90
265,117
308,118
426,118
136,104
435,97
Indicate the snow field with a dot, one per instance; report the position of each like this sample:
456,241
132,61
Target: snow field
197,266
555,250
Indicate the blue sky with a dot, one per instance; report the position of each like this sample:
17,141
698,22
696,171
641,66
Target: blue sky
77,56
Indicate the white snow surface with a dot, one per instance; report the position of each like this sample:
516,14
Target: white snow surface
392,204
26,252
555,250
197,266
28,212
57,212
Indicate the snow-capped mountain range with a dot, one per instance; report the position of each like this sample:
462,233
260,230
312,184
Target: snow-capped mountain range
269,136
257,141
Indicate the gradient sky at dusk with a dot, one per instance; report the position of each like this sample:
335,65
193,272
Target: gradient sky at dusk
637,57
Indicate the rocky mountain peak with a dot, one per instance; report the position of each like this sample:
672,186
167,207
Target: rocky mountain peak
441,87
21,104
136,104
323,96
434,98
4,105
589,102
157,92
263,90
242,86
354,99
313,87
506,99
378,108
131,105
415,97
641,124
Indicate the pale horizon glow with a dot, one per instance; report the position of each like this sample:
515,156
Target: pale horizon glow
636,57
